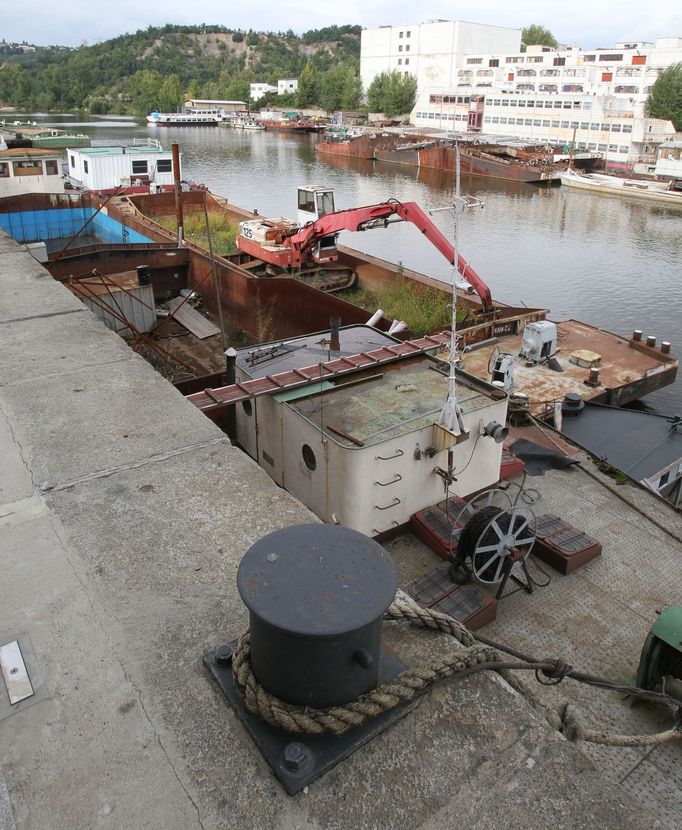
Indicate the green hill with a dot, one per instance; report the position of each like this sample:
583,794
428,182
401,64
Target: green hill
159,66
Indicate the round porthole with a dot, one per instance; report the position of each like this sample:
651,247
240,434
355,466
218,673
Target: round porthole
308,457
248,408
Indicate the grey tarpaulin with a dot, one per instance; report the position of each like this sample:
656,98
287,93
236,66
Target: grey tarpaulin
538,459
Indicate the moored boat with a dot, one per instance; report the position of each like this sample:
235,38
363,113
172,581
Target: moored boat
246,124
182,119
669,193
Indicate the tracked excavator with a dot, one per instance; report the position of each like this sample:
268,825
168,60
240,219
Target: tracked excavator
308,247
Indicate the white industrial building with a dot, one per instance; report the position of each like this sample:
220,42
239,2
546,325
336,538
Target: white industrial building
286,86
431,51
257,91
594,98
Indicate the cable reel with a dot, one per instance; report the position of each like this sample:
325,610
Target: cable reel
495,541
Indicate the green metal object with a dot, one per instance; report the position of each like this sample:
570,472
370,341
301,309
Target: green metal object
662,652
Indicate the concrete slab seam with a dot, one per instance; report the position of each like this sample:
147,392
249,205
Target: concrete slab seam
46,487
66,372
43,316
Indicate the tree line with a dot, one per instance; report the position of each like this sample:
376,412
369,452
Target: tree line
159,67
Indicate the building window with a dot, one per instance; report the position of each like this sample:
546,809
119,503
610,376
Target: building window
407,47
535,58
164,166
407,34
85,165
663,480
589,58
494,62
139,167
72,161
52,167
606,77
4,170
559,62
400,48
514,60
400,35
611,57
407,60
474,60
627,128
400,60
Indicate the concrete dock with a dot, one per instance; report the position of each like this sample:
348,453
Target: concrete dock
124,513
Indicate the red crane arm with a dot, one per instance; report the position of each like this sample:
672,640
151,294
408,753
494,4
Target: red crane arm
357,219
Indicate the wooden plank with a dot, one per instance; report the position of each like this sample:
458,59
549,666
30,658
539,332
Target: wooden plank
194,322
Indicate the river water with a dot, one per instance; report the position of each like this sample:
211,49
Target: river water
611,262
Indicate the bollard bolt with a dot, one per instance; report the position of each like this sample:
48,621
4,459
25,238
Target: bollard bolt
223,654
296,757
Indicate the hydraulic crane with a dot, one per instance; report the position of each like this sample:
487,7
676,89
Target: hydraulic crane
289,245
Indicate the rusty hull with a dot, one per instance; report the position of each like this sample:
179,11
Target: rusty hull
628,371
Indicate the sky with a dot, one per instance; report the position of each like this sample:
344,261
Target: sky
590,24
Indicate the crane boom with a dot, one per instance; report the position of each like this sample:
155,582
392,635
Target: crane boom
302,241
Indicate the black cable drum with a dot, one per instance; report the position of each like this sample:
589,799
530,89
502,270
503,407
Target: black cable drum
316,596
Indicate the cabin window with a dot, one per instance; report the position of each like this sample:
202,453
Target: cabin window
52,167
4,170
308,457
139,167
72,160
663,480
164,166
86,169
27,168
306,201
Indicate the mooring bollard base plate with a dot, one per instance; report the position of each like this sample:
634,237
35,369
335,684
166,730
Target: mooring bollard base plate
321,752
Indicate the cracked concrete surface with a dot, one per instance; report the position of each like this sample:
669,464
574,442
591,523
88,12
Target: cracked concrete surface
123,517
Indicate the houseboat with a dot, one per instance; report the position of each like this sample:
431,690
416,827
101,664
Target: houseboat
28,170
144,164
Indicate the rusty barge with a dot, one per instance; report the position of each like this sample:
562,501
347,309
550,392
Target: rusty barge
266,308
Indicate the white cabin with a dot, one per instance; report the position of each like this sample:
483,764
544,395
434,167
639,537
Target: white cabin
361,449
28,170
107,168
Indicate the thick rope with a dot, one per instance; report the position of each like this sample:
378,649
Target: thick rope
472,656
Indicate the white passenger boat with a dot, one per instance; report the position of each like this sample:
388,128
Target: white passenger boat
182,119
654,191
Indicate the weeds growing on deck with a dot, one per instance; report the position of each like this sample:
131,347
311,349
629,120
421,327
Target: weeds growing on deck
223,232
423,308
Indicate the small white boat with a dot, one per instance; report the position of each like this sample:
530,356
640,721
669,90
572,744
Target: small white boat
246,124
647,189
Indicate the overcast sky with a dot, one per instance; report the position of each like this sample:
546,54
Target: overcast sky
589,23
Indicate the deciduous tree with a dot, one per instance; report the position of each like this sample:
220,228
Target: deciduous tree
665,98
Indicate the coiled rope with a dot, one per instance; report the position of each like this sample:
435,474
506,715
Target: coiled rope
471,656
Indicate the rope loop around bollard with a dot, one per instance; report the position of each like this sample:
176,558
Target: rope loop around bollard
471,656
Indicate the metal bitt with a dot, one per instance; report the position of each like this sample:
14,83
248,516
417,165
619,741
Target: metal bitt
316,596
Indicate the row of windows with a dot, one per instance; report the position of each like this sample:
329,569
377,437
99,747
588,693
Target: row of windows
30,167
546,122
443,116
400,60
139,167
558,60
449,99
